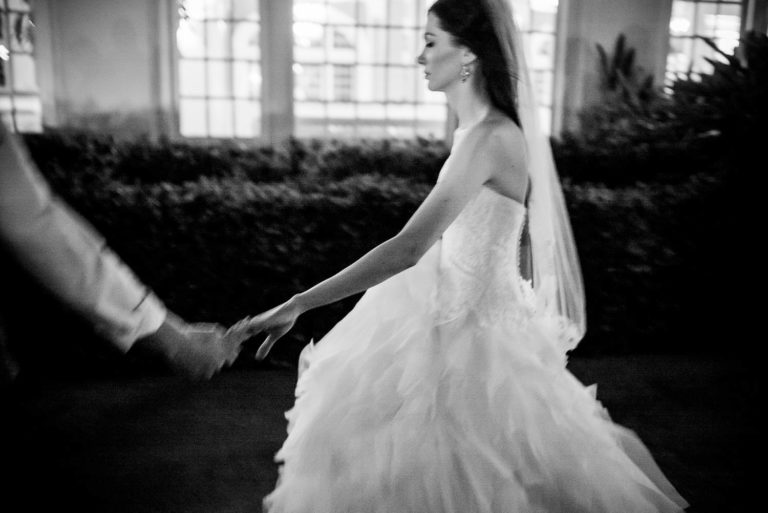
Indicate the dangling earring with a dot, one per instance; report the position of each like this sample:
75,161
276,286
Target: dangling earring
465,72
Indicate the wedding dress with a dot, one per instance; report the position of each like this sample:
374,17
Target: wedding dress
444,391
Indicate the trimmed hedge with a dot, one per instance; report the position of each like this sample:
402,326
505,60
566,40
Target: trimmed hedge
624,151
221,248
630,151
89,156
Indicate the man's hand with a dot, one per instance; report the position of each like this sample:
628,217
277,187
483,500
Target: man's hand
196,351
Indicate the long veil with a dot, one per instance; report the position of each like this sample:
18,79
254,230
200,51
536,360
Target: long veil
556,272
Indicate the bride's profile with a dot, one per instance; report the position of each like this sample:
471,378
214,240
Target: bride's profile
445,389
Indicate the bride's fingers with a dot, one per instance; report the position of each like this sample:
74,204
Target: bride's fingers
256,325
266,346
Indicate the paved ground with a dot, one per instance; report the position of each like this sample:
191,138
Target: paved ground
158,444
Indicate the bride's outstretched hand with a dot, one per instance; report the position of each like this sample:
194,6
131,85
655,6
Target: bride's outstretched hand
275,322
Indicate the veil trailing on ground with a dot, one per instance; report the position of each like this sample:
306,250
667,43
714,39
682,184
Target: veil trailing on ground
556,272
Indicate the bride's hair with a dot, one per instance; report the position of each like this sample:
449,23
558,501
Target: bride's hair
469,24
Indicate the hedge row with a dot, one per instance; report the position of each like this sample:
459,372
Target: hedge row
620,154
221,248
92,156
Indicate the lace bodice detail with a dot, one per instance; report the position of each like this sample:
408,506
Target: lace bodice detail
480,262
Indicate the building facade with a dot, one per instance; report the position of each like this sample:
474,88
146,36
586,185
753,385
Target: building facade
265,70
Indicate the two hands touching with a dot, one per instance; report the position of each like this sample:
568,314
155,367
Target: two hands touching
196,351
275,323
199,351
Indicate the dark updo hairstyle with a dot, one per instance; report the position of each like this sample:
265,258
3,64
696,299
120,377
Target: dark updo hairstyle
468,22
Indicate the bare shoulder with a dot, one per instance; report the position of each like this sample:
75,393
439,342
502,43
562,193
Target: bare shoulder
502,135
501,141
502,144
494,151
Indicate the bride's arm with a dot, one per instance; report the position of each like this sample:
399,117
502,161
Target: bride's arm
459,183
471,165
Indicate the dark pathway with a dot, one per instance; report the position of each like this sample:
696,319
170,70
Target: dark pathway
163,445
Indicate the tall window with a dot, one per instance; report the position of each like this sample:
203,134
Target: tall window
20,104
716,19
355,70
219,71
537,20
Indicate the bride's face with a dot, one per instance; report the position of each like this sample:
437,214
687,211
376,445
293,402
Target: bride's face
441,58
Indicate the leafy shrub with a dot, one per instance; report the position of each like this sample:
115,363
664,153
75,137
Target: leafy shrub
630,137
334,159
62,154
177,162
619,148
732,100
221,248
622,81
622,149
67,155
624,141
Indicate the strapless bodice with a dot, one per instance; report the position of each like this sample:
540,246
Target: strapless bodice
480,261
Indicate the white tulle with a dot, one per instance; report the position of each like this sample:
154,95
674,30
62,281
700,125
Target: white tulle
555,269
445,390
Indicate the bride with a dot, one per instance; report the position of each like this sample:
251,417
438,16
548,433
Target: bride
445,389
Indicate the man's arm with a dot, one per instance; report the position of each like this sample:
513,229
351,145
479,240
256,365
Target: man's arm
71,259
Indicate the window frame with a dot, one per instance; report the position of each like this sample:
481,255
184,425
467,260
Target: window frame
15,97
695,68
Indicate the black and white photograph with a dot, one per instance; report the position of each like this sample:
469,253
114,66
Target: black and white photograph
381,256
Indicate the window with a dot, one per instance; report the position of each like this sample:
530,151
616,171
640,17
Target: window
537,21
20,104
355,70
354,67
342,82
219,72
716,19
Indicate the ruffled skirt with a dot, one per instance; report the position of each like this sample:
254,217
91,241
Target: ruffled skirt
398,411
